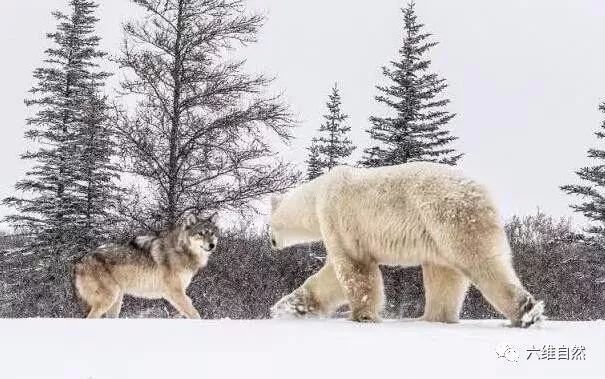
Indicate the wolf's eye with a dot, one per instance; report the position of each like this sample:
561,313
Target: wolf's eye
273,242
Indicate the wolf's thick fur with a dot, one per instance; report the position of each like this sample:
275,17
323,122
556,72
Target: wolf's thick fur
412,214
149,267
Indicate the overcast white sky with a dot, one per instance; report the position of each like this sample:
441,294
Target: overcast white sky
525,78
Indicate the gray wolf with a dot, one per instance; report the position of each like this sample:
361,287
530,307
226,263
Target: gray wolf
149,267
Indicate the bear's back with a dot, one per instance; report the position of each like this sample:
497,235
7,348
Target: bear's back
414,177
419,187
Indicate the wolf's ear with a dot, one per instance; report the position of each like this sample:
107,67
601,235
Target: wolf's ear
213,217
188,220
275,200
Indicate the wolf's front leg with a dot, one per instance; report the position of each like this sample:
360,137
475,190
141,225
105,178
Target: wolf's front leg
182,303
320,295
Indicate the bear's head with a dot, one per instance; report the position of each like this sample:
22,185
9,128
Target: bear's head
293,221
275,227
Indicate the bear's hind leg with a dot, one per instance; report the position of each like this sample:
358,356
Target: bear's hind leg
320,295
363,287
497,281
444,292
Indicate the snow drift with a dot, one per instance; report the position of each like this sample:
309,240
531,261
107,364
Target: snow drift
174,349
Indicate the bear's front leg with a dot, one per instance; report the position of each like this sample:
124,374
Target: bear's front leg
297,304
320,295
363,287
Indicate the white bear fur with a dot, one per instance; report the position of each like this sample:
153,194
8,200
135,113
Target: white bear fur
412,214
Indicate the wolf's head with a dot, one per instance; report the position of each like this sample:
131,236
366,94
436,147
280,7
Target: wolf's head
201,232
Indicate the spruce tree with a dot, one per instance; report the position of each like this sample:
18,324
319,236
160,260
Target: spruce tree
314,167
333,143
197,137
418,129
593,192
96,186
52,209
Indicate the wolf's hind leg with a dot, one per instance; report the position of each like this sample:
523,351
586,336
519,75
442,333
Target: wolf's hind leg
114,311
100,292
102,303
444,292
321,294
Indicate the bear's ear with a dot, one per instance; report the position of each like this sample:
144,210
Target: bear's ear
275,200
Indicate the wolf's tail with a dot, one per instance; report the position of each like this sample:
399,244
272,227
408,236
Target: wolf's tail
76,268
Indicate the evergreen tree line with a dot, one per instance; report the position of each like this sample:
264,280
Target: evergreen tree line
418,127
416,130
190,129
244,278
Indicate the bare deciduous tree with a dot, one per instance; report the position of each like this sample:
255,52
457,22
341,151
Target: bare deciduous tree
199,133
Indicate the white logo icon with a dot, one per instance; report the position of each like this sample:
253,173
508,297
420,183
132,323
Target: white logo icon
507,352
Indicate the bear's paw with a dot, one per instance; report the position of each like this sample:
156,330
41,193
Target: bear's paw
531,313
365,316
298,304
534,316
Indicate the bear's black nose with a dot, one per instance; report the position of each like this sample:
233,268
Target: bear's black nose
212,245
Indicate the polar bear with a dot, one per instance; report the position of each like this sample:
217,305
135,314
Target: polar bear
417,213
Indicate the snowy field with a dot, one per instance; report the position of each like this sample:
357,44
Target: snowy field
176,349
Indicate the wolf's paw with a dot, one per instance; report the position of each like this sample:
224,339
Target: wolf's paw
532,314
365,317
298,304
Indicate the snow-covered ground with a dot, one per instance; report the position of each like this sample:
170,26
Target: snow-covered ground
178,349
